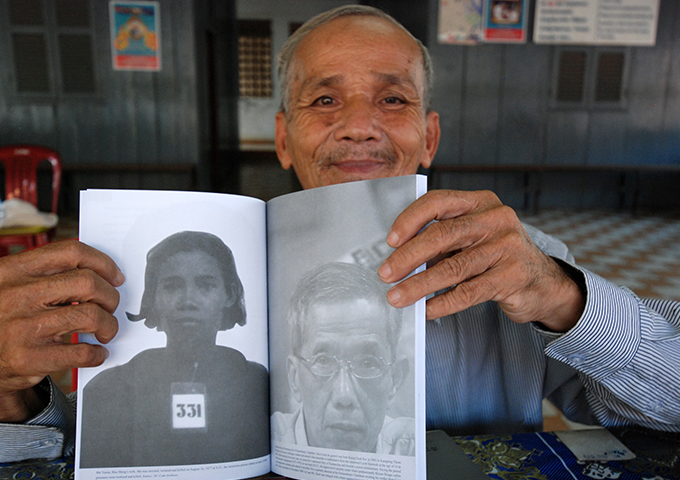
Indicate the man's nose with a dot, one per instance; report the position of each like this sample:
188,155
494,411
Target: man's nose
359,121
344,394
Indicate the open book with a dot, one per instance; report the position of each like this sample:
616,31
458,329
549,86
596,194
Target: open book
254,337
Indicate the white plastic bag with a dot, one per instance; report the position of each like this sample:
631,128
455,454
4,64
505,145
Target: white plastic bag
19,213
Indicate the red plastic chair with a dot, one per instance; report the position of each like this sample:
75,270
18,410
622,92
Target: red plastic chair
21,171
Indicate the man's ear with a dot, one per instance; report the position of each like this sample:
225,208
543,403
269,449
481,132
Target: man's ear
292,366
399,372
280,140
432,134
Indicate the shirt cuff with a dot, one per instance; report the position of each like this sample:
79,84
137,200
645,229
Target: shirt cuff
50,434
578,277
607,335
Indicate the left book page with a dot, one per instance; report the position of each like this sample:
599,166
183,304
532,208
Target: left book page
184,392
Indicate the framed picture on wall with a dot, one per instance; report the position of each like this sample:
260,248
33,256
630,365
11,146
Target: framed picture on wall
505,21
460,22
135,35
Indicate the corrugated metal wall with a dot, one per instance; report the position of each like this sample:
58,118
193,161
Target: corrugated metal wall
495,106
136,117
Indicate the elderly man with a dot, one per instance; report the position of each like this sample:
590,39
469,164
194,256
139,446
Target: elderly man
345,367
517,322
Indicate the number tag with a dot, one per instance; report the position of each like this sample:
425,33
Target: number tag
188,406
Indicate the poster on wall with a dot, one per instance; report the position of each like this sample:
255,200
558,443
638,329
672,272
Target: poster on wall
470,22
135,35
460,21
597,22
505,21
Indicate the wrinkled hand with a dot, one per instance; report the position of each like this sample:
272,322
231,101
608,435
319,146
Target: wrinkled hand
479,247
46,293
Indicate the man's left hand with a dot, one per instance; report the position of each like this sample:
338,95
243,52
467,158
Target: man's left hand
478,246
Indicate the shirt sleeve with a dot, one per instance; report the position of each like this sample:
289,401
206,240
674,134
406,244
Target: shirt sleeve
620,364
626,353
50,434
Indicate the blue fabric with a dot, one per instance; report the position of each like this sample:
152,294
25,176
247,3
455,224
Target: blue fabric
56,469
534,456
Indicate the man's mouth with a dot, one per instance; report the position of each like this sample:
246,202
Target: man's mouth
358,160
359,166
347,427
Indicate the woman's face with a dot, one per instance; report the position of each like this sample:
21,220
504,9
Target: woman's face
191,295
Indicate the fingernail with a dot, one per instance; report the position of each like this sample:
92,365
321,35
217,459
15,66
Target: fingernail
120,279
384,271
392,239
393,296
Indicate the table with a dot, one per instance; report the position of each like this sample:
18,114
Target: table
539,456
527,456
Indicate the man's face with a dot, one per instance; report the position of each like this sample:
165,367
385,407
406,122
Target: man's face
191,295
356,105
342,411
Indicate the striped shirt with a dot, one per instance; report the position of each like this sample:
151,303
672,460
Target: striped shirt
620,364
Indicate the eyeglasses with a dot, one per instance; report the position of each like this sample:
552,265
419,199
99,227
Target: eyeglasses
362,366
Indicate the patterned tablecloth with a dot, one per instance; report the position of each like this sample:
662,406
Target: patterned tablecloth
526,456
59,469
541,456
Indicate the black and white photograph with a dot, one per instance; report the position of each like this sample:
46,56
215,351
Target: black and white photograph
342,370
195,399
346,365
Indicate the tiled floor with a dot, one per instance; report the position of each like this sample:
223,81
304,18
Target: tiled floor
641,252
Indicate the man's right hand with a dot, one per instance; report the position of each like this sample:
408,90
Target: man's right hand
46,293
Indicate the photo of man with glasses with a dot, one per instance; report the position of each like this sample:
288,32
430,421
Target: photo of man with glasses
345,367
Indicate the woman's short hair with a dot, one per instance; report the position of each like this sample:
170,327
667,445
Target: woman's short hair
191,242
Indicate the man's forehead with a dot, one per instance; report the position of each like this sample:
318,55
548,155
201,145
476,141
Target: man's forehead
345,315
358,34
313,82
339,338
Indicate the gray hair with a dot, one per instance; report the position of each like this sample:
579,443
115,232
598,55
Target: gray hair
287,52
339,281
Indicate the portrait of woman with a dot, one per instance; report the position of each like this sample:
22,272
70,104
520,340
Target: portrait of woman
192,402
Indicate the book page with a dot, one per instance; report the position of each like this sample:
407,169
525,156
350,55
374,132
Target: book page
347,369
184,392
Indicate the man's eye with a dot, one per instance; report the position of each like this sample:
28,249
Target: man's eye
367,362
324,101
323,360
394,101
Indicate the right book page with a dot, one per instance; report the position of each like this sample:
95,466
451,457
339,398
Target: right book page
347,370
